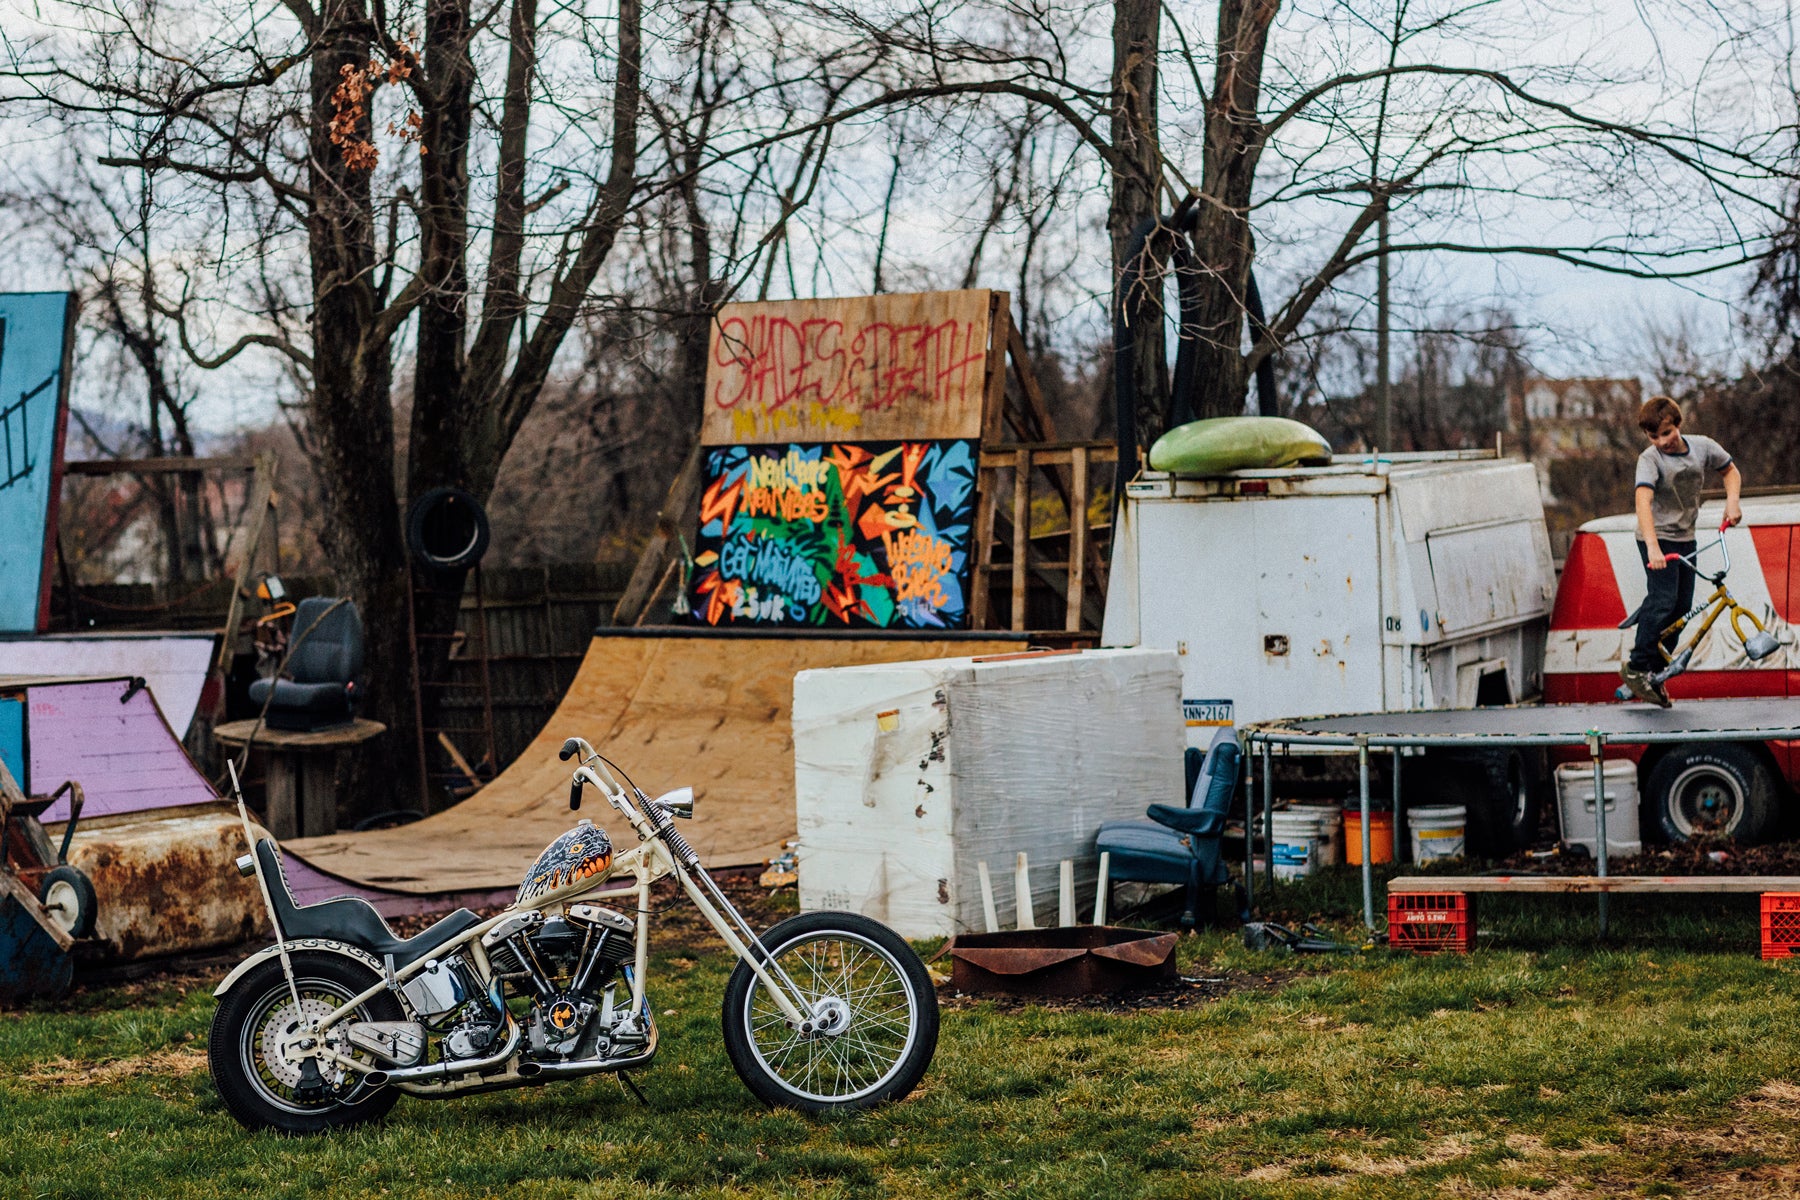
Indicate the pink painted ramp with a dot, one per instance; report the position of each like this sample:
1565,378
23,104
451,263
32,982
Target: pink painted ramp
111,739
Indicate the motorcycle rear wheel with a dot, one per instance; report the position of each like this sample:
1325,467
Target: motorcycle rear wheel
260,1085
862,980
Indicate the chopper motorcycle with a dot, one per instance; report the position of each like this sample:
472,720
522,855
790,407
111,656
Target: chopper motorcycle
825,1011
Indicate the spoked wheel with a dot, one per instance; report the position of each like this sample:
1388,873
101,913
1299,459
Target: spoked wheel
260,1076
871,1003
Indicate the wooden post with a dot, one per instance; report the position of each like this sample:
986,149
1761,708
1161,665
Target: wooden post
281,798
318,792
981,589
1021,532
1022,893
1065,893
987,898
1100,886
1078,531
993,400
262,495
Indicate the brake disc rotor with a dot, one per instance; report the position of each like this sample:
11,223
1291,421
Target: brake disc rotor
280,1025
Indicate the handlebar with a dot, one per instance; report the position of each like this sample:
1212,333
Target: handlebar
1689,560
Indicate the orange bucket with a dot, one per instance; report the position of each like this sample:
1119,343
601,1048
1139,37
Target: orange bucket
1381,836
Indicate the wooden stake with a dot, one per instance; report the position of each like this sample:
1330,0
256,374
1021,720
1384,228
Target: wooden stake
987,899
1065,894
1022,890
1100,887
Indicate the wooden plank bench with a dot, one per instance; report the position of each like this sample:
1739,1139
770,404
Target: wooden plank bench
1441,914
1586,884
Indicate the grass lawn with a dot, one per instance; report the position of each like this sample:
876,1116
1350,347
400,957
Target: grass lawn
1663,1062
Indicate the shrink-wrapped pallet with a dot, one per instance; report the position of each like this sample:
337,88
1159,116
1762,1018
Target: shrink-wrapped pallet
909,774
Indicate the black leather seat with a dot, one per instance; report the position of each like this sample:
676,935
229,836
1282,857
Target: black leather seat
319,690
350,918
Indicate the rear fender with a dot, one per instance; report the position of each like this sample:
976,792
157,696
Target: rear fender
321,945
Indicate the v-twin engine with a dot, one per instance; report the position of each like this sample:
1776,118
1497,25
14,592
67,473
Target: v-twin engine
568,965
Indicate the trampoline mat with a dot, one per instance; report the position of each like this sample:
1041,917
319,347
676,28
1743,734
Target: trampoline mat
1753,718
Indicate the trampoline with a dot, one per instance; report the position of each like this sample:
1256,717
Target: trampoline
1594,726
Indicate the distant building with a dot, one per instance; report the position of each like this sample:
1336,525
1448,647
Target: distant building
1581,435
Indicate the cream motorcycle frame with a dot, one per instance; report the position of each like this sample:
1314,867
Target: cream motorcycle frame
663,852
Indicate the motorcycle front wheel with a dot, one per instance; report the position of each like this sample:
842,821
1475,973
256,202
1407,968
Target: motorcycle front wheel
260,1081
871,998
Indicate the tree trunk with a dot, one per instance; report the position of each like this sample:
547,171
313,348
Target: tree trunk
1221,237
351,411
1136,199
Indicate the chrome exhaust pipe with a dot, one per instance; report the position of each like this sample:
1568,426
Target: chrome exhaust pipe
450,1068
589,1066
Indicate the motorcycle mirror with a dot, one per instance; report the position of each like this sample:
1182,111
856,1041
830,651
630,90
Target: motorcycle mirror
680,802
575,794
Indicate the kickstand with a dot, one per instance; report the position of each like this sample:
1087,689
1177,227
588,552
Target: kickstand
633,1089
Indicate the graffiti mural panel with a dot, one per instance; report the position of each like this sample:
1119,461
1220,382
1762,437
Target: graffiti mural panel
836,534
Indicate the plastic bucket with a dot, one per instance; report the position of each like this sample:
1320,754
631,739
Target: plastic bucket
1438,832
1293,844
1381,836
1331,831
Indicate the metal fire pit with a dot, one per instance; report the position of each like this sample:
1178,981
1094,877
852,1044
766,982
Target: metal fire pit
1078,960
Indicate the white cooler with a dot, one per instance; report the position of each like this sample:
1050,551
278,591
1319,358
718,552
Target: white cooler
907,775
1575,806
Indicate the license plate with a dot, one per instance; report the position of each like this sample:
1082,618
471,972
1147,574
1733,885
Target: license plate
1206,712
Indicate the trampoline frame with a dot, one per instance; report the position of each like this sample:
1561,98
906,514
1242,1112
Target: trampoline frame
1290,732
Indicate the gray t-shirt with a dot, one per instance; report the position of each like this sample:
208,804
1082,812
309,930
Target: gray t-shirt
1675,481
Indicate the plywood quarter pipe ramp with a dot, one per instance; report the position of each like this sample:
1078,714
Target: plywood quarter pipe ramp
710,711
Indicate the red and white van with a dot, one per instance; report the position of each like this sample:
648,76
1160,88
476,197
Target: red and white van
1736,788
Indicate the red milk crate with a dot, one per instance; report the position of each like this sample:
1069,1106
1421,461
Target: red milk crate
1431,922
1780,924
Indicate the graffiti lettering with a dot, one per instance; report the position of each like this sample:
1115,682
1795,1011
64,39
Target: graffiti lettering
918,562
872,534
819,375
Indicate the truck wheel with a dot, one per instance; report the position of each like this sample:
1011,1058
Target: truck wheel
1501,789
1711,790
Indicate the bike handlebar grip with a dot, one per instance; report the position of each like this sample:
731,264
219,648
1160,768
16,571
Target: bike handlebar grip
569,750
575,795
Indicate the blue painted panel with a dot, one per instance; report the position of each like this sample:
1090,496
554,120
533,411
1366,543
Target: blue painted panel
12,739
33,329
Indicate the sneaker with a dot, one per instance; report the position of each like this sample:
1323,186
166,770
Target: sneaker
1643,687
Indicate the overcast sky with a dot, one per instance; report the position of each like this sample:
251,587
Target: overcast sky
1701,65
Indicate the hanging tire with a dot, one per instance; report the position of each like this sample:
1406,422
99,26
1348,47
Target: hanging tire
871,993
67,895
447,529
1714,789
261,1085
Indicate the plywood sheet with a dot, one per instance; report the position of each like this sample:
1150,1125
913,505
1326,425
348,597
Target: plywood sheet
864,368
711,712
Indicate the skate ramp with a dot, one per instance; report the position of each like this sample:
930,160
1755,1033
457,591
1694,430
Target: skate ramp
708,710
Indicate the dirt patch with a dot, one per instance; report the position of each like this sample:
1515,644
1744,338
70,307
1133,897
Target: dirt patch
63,1072
1702,856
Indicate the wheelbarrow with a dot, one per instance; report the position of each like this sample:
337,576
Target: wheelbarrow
46,905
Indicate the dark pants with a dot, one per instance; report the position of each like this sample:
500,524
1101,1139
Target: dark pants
1671,593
